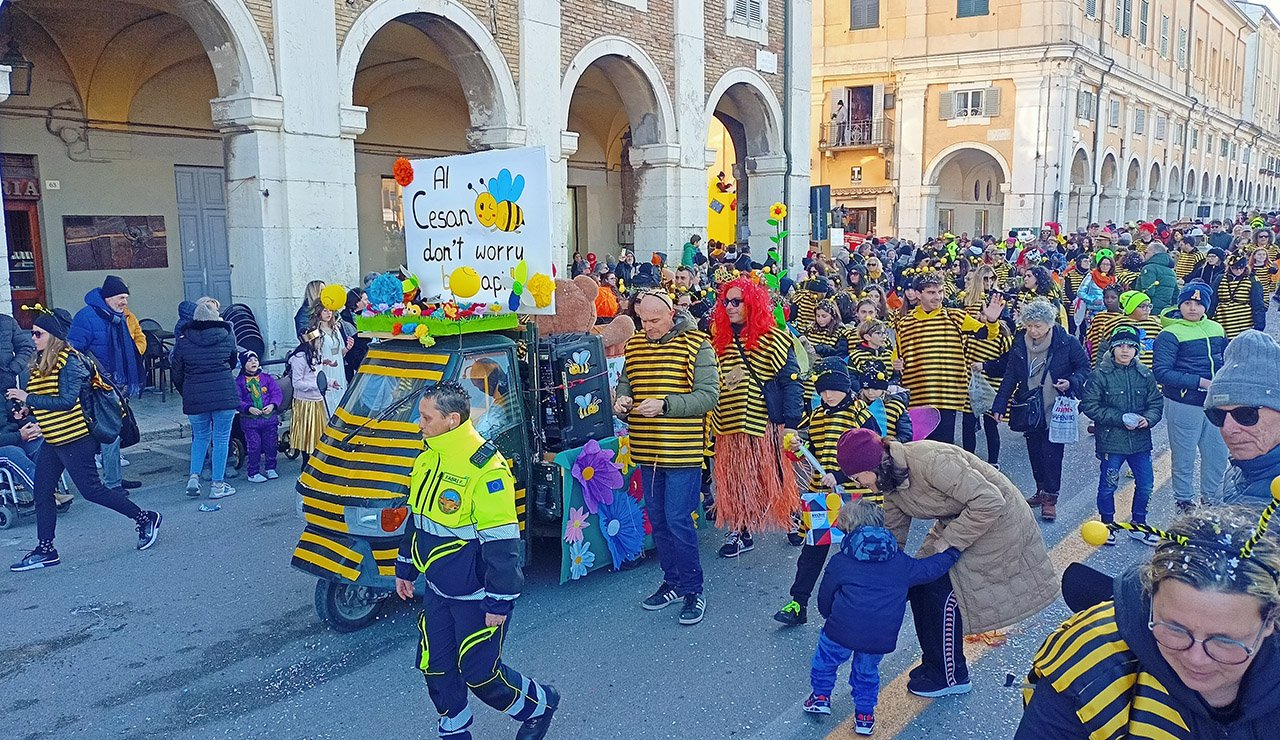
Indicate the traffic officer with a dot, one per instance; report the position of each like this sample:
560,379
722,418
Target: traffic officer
465,538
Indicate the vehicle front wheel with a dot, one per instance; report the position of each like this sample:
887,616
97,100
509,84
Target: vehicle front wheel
348,607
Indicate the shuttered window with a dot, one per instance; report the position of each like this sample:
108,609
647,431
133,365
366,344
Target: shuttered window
1182,48
1140,121
864,14
971,8
1091,9
1164,36
1114,118
1086,105
1143,15
980,103
749,12
1162,127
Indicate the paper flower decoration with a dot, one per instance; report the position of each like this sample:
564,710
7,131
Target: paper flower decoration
580,559
778,211
386,290
624,453
426,340
598,475
396,328
541,287
577,523
402,170
622,524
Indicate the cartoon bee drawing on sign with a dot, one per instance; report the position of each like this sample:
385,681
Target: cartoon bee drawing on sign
580,363
587,405
497,207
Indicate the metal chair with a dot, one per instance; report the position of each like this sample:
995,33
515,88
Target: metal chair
155,360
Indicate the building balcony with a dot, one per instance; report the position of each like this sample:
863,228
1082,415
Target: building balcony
853,135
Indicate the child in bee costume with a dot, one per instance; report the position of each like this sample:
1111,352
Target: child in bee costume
464,536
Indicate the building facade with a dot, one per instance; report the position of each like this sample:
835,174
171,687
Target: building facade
241,148
982,116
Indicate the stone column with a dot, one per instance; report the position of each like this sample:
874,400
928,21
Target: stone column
6,286
916,212
541,109
658,174
796,100
689,205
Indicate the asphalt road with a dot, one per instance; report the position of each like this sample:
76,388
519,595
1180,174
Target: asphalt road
211,634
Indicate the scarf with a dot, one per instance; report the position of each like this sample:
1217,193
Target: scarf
253,384
124,372
1101,279
1037,363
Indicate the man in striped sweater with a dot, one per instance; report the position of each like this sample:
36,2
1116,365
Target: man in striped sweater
668,384
931,351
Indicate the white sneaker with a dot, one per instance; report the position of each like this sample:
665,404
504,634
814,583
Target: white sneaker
257,478
272,475
97,460
221,490
193,486
123,462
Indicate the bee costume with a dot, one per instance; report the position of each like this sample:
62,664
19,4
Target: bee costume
464,536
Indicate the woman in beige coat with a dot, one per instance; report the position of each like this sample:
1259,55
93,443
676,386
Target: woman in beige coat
1004,574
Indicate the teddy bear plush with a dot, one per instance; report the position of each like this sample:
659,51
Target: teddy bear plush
576,313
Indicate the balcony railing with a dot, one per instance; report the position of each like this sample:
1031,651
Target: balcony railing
868,132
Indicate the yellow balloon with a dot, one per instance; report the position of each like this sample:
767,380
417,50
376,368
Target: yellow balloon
1095,533
333,297
464,282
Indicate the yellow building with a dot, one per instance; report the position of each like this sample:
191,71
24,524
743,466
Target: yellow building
981,116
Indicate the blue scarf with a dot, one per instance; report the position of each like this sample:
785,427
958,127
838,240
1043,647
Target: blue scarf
124,371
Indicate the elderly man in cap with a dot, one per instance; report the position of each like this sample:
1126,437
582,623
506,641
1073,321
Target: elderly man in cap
102,329
1243,401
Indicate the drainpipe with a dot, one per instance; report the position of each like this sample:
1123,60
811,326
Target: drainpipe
1097,116
786,118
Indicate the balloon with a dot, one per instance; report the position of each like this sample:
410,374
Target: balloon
464,282
333,297
1095,533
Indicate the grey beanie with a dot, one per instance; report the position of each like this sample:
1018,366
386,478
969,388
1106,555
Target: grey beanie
1038,310
1250,368
206,311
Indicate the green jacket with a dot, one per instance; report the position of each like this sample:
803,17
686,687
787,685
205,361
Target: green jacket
1113,391
686,256
1158,282
706,377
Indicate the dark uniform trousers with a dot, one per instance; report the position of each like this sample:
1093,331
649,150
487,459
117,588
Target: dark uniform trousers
457,652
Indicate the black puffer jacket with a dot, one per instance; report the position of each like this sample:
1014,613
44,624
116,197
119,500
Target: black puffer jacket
202,364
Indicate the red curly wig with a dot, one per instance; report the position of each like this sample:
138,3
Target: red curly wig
759,316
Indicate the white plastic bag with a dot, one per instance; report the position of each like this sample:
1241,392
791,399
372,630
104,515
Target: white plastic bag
1062,423
981,395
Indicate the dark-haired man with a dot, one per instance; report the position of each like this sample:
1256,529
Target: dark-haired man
465,537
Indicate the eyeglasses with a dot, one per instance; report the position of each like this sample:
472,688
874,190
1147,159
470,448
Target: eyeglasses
733,302
1221,649
37,334
1245,416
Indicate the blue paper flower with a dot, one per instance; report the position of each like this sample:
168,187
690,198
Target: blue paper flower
580,559
386,289
622,524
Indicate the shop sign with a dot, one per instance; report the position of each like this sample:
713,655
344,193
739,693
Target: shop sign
21,187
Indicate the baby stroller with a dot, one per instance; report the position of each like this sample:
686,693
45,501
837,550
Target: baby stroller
248,337
17,498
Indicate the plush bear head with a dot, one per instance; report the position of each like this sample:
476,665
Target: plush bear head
575,307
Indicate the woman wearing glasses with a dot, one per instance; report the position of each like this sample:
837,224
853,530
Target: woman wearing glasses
1244,403
1185,649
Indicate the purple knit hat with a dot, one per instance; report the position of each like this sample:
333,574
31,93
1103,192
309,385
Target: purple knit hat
858,451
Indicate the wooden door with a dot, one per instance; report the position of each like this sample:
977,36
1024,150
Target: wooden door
26,261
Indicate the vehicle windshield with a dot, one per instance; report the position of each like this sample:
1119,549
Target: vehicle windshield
487,377
370,395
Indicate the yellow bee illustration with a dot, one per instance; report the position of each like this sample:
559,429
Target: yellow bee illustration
581,364
587,405
497,207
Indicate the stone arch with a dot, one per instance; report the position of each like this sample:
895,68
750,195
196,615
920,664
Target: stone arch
1109,175
951,152
1134,204
759,110
1155,192
970,181
639,84
472,51
1079,187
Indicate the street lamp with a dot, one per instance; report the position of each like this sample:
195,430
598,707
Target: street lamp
20,76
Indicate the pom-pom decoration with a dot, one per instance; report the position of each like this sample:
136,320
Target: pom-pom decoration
402,170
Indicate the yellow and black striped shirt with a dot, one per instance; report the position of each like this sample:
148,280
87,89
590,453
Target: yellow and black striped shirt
1148,328
894,409
742,408
657,370
1126,278
1234,305
1185,263
806,303
1099,329
1087,659
860,354
826,425
931,346
984,351
1266,277
58,427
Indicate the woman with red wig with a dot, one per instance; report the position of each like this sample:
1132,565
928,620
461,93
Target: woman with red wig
760,398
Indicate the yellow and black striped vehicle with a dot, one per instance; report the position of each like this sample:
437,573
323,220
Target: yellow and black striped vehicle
352,493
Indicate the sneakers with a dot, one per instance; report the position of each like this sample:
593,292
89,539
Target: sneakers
793,614
794,538
220,490
736,543
129,485
694,607
1185,507
272,475
257,478
149,529
36,559
663,597
817,704
193,486
1111,538
929,690
536,728
1145,538
864,724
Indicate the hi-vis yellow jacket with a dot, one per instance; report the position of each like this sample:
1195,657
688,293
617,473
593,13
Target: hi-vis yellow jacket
463,532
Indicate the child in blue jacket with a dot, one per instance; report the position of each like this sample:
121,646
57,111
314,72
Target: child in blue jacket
863,597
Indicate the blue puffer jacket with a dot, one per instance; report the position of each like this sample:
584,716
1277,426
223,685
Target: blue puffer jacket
1184,353
863,595
1248,482
92,330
